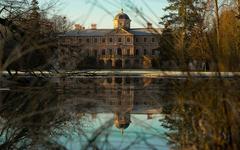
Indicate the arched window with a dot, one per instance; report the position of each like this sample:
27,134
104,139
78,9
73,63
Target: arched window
109,63
95,52
136,52
153,52
145,52
127,80
103,52
128,52
136,61
136,40
153,39
119,40
145,39
87,40
119,51
118,64
110,51
127,63
110,40
128,40
118,81
136,80
63,64
101,63
87,52
109,80
63,51
103,40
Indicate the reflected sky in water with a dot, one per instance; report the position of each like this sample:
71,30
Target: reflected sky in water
87,112
123,112
141,134
116,112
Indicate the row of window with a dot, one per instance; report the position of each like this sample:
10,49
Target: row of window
119,52
126,80
103,40
110,40
145,40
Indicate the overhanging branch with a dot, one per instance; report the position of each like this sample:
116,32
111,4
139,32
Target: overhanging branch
12,27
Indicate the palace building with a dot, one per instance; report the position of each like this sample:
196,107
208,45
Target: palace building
120,47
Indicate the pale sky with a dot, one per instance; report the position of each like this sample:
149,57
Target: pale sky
102,12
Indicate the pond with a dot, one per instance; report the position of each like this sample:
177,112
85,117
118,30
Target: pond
119,112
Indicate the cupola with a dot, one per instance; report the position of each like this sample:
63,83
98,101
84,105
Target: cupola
122,20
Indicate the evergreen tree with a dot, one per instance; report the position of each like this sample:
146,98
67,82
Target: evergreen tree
167,46
185,17
185,13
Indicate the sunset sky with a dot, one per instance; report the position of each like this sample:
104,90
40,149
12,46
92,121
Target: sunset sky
102,12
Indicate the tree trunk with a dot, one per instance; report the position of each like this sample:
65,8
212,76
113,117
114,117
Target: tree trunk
238,26
217,23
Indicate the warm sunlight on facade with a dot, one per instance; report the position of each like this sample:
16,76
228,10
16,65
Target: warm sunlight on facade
121,47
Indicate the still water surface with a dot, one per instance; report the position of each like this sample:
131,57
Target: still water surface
95,113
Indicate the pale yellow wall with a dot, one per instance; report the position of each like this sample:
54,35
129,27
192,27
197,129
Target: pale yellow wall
77,47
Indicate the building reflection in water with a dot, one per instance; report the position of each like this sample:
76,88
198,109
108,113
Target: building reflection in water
41,113
121,96
50,111
122,120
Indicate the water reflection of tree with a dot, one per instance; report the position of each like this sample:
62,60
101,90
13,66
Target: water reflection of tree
205,114
33,118
201,113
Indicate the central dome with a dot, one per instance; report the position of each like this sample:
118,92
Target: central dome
122,20
122,125
121,16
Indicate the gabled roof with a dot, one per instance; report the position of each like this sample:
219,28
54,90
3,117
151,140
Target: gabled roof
103,32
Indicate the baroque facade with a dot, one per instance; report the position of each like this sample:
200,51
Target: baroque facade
121,96
121,47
